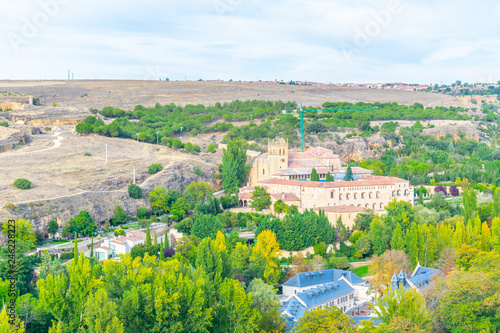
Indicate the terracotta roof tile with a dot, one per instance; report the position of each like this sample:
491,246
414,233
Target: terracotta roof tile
341,209
245,196
285,197
360,182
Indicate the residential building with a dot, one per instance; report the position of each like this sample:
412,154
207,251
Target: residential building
419,279
312,290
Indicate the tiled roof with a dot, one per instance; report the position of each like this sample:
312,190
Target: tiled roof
285,197
361,181
321,294
341,209
133,239
301,171
422,276
103,248
308,279
245,196
312,163
356,171
117,242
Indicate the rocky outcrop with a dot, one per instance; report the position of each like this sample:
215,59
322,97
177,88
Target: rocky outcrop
14,139
100,204
471,131
356,148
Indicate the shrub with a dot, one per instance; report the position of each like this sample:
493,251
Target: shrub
338,263
197,171
48,129
441,189
4,124
168,252
67,256
22,184
228,201
212,148
9,206
119,232
119,216
142,213
454,190
135,191
87,154
155,168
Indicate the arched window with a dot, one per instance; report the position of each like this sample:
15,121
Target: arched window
340,196
359,205
370,195
332,194
280,152
347,196
381,206
363,195
378,194
373,206
366,205
399,193
355,195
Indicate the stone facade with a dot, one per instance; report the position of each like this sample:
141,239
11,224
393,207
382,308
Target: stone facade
371,192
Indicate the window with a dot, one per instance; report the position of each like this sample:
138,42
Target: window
263,171
363,195
370,195
332,194
378,194
355,195
347,196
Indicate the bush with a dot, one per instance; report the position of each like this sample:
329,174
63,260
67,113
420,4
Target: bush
212,148
119,216
197,171
4,124
135,191
22,184
87,154
119,232
142,213
67,256
338,263
228,201
9,206
155,168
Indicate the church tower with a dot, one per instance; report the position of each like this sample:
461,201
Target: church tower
278,155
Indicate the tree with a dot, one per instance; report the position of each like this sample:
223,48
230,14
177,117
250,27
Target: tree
266,253
384,266
267,302
234,167
420,198
340,230
92,247
155,168
348,174
134,191
412,243
198,192
148,236
260,198
377,236
119,216
454,190
401,304
328,319
441,189
397,241
496,204
22,184
83,224
5,323
470,204
142,212
329,177
24,235
101,314
495,234
75,249
280,207
314,175
119,232
52,228
211,148
206,226
84,128
233,311
160,199
66,231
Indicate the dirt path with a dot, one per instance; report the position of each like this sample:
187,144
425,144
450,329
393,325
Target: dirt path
57,143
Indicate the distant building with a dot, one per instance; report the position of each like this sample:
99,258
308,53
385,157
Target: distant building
419,279
319,289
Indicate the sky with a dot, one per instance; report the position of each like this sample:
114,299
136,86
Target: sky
411,41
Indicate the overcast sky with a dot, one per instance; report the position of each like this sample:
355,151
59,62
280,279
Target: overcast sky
414,41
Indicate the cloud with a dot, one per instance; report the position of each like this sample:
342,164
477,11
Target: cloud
424,41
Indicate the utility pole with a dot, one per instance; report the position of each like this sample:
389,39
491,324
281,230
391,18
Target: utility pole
251,117
134,174
157,137
137,136
106,153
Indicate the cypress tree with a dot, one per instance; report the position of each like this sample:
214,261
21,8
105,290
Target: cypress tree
314,175
397,241
155,242
92,247
348,174
148,236
76,249
412,243
329,177
496,204
161,249
420,198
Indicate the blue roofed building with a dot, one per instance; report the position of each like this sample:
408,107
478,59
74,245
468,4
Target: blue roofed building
311,290
419,279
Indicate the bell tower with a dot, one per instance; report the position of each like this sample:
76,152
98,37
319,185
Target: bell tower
278,155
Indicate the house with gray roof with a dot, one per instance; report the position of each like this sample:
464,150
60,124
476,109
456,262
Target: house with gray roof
419,279
312,290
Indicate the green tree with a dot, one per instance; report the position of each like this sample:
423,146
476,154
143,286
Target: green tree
340,230
22,184
314,175
160,199
260,198
266,253
75,248
211,148
496,204
155,168
206,226
119,216
412,243
398,303
134,191
397,241
329,177
348,174
495,234
377,236
24,235
329,319
234,167
420,198
101,314
234,311
83,224
198,192
52,228
148,236
267,302
470,204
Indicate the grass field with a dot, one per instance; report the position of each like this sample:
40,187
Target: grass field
361,271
